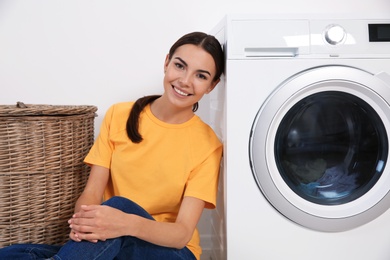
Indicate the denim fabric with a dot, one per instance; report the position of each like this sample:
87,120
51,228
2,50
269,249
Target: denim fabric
126,247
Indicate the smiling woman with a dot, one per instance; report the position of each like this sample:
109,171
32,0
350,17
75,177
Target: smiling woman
156,171
207,47
189,74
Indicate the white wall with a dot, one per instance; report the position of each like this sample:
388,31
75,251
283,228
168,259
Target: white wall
100,52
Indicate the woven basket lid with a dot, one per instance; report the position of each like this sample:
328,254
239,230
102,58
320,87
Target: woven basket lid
21,109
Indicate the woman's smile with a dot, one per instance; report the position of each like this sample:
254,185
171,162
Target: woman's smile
180,92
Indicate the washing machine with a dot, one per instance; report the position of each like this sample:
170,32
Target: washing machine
304,114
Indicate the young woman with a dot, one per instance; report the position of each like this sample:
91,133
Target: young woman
156,165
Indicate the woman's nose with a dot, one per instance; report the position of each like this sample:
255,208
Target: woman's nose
185,79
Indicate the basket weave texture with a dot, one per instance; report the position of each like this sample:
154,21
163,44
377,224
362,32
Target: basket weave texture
42,173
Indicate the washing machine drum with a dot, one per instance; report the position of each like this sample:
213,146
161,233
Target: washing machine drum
331,148
321,159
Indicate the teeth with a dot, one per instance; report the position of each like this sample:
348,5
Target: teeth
180,92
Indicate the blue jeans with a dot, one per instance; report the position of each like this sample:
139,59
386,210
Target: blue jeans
126,247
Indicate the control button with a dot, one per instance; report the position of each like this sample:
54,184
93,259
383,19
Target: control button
335,34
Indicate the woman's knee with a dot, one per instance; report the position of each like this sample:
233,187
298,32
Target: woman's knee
127,206
116,202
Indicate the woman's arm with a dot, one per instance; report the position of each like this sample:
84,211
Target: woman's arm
176,234
102,222
93,191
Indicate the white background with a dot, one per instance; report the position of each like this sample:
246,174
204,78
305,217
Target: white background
99,52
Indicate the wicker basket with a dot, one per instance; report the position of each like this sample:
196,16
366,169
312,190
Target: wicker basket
42,173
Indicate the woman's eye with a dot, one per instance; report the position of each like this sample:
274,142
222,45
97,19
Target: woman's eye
201,76
179,65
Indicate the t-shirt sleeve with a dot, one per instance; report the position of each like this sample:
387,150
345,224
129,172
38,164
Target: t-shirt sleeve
101,151
203,180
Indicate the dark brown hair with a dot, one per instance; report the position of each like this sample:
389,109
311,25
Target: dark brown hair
210,44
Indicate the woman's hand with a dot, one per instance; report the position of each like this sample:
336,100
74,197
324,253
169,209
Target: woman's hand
97,222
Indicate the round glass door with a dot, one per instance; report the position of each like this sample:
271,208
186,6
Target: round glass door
331,148
319,148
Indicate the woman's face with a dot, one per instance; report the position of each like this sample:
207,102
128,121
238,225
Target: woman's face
189,75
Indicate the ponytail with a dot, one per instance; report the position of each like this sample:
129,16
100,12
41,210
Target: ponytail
133,120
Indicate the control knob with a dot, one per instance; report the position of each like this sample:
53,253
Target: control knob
335,34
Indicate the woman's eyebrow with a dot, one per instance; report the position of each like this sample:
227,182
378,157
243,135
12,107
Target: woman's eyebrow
185,64
182,61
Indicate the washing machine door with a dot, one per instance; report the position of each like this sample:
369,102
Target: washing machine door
319,148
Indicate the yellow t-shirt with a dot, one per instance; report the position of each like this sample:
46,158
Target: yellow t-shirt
172,161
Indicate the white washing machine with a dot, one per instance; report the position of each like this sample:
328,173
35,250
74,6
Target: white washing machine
305,118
